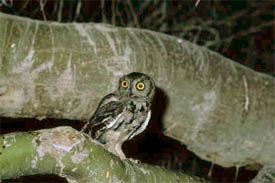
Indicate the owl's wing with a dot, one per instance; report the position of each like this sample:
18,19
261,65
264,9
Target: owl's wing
107,113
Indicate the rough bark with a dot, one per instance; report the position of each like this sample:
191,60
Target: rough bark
222,111
68,153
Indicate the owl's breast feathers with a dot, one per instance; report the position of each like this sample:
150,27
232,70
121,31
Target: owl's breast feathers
123,116
136,106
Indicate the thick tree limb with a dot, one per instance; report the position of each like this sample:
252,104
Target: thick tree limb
222,111
68,153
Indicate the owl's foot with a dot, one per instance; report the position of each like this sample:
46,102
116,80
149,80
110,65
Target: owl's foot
134,160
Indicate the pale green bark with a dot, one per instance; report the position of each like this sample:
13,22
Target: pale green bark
222,111
68,153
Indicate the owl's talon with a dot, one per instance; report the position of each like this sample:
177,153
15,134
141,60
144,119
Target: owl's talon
134,160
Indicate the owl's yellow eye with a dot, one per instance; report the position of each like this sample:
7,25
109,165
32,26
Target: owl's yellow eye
140,86
124,84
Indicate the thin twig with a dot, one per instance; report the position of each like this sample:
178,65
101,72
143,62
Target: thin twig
102,3
24,6
197,3
113,12
77,11
42,4
133,13
60,10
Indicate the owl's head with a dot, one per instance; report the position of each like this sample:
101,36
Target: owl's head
137,85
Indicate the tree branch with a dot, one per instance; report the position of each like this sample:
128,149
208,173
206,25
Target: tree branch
70,154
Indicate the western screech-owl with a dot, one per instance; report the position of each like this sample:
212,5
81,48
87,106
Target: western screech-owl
123,114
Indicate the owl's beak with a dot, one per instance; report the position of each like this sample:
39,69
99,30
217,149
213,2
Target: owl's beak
130,93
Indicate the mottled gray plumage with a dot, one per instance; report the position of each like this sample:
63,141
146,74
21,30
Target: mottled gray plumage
123,114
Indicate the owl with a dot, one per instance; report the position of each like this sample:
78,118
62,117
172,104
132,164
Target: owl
123,114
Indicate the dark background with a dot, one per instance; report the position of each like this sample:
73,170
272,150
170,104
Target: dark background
240,30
